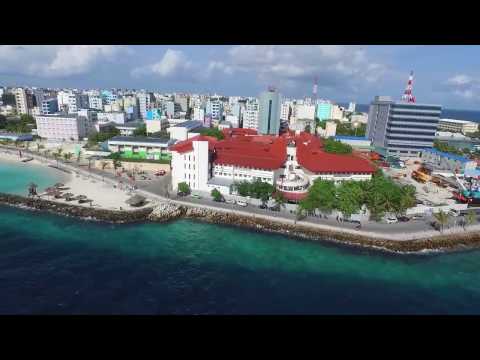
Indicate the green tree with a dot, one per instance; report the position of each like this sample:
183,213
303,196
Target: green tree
216,195
242,188
215,132
333,146
349,198
442,218
280,200
470,218
67,156
3,122
116,161
141,131
321,195
183,188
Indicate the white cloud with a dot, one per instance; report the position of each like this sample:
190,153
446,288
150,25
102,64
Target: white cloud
174,63
464,86
55,60
337,66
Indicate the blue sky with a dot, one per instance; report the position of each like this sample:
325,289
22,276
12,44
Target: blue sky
446,75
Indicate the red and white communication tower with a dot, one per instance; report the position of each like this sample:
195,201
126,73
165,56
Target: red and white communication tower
315,88
407,95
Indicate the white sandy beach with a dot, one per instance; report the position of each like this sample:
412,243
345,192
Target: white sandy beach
103,194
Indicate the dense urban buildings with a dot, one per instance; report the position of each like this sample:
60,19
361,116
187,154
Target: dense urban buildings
402,128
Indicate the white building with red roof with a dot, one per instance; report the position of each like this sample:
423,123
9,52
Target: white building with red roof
289,162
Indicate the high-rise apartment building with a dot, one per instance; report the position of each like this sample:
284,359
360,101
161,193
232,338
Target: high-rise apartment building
215,109
324,111
49,106
95,102
144,103
269,112
21,101
250,115
402,128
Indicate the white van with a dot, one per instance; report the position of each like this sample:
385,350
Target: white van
241,203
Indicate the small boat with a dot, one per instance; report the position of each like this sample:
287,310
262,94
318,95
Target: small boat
27,159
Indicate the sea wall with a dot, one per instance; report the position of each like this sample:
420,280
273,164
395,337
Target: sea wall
435,243
168,211
81,212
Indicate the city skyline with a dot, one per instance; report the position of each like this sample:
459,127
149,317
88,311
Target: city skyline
345,73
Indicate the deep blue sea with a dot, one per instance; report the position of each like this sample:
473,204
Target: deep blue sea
469,115
55,265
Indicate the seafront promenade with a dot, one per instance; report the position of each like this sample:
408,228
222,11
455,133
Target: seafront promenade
394,232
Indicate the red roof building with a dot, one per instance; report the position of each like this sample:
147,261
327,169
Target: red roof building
186,145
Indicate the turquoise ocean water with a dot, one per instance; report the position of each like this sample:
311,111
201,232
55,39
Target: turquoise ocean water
55,265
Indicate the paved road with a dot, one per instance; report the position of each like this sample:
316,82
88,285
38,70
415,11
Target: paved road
161,187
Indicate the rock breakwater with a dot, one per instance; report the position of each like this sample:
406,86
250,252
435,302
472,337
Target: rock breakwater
81,212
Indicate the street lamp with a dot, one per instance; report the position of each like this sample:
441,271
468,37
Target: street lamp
355,125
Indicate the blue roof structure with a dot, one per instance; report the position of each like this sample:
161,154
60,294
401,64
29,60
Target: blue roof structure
447,155
190,124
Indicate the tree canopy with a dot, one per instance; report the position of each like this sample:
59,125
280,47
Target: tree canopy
97,137
334,146
257,189
215,132
183,188
141,131
380,195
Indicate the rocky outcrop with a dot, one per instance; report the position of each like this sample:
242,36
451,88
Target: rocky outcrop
166,211
81,212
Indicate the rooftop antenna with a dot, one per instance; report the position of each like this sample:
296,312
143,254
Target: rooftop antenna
407,95
315,88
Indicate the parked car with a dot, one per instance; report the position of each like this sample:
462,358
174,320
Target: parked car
418,217
219,199
241,203
454,212
403,219
261,206
196,196
230,201
274,208
391,220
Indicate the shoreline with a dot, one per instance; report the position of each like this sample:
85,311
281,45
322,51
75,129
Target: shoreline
160,209
440,243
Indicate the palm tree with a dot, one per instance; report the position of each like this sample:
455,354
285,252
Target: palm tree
79,155
279,199
442,218
67,156
470,218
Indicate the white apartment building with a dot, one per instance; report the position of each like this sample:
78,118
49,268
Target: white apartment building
71,102
337,112
305,112
95,102
233,119
198,114
250,115
192,166
116,117
21,101
453,125
359,118
62,127
214,108
285,110
144,104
